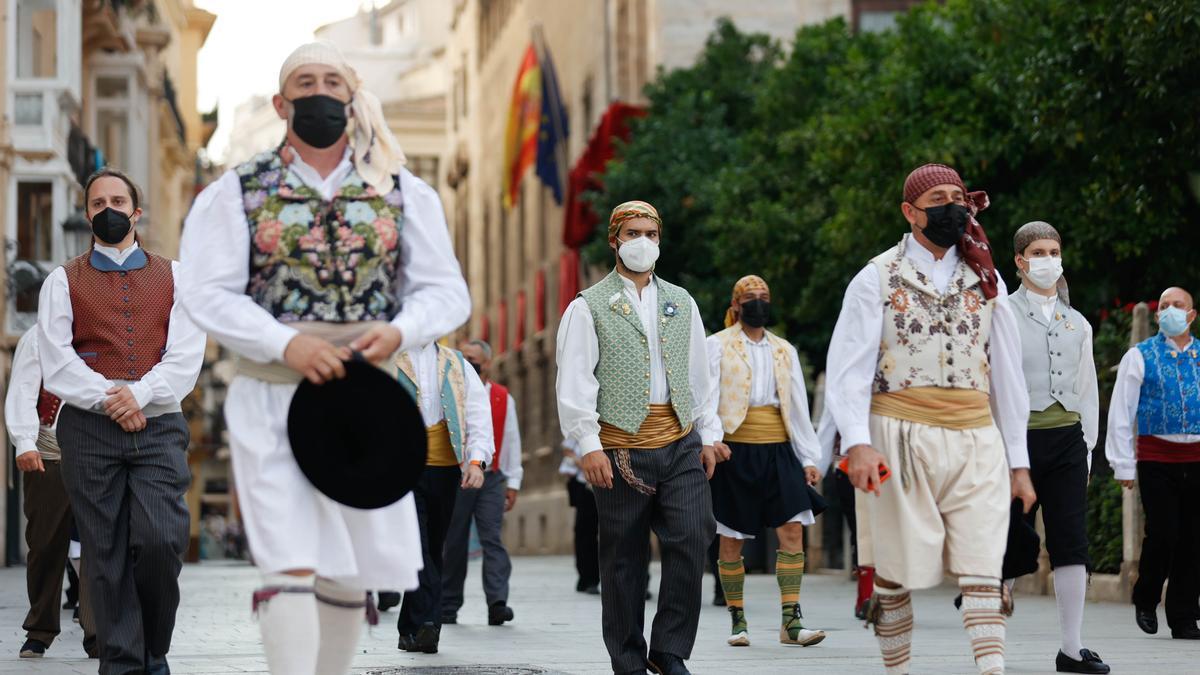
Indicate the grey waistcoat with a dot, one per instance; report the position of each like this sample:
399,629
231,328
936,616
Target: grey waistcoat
1050,352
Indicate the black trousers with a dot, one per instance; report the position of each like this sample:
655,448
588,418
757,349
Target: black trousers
435,494
127,494
680,515
1171,500
587,542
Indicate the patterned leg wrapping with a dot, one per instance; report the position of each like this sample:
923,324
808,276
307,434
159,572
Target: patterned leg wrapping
984,622
733,579
893,629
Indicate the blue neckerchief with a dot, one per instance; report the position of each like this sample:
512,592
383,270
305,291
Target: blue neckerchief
136,261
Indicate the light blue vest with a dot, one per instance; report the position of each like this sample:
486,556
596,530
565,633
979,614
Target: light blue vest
450,364
1169,402
1050,351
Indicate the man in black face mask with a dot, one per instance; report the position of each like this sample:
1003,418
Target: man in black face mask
774,456
117,347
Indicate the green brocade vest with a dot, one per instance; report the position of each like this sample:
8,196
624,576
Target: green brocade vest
623,370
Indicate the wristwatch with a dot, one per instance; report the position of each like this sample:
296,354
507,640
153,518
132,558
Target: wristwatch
479,463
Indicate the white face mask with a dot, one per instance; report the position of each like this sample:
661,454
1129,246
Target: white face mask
1044,271
639,255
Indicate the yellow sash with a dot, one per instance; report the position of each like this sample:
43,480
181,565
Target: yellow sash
935,406
441,452
763,424
660,429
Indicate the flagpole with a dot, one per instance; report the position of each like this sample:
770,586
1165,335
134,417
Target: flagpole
560,150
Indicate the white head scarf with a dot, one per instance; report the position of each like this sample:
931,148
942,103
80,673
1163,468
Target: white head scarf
377,153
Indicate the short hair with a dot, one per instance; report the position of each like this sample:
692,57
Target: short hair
483,346
115,173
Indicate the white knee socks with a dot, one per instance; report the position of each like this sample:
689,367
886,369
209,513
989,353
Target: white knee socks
984,622
1070,588
340,609
287,616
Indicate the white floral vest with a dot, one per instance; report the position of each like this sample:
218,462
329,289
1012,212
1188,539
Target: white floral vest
930,339
736,378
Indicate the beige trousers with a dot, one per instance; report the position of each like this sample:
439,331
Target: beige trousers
945,508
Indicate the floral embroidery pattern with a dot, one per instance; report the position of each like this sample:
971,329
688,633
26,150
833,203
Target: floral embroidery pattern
317,260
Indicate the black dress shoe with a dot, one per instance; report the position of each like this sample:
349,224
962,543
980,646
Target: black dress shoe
1147,620
1090,663
388,600
157,665
499,613
405,644
1185,633
594,589
667,664
427,638
33,649
719,598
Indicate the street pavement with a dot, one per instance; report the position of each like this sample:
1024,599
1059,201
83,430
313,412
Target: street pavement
558,631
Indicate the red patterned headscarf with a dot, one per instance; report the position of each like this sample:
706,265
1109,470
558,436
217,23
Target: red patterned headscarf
974,246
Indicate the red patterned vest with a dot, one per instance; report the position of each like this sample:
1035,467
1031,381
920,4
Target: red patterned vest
121,312
499,398
47,407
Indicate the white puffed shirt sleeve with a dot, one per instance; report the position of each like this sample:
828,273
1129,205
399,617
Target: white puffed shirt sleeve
577,351
214,271
805,445
1089,393
20,402
1009,398
715,354
481,439
64,374
1122,416
827,436
434,300
853,353
510,448
174,377
704,409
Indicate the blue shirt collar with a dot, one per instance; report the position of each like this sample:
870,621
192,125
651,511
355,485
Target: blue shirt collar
136,261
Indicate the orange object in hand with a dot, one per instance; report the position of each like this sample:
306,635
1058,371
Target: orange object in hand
884,472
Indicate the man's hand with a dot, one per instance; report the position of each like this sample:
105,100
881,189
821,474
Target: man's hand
133,423
597,469
121,403
316,359
708,458
812,475
864,468
1127,484
1022,488
723,452
473,478
30,461
378,343
510,499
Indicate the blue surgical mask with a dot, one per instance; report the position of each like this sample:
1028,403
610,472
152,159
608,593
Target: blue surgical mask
1173,321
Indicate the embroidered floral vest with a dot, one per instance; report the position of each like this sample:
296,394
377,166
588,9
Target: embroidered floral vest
931,339
453,396
1169,402
624,367
736,378
316,260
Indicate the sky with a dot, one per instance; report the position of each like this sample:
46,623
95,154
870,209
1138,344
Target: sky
248,43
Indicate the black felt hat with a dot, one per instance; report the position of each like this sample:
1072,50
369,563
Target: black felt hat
359,440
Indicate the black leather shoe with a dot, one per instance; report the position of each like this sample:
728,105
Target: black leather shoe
667,664
427,638
594,589
1091,663
1147,620
388,600
33,649
499,613
1185,632
405,644
718,597
157,665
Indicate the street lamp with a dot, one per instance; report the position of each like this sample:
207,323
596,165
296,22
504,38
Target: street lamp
77,234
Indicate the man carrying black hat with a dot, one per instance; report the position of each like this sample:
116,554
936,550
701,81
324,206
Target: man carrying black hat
309,251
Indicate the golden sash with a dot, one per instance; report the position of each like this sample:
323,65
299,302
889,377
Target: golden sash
935,406
763,424
441,452
660,429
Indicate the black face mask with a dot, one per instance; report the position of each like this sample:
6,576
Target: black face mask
319,120
111,226
946,224
478,368
756,313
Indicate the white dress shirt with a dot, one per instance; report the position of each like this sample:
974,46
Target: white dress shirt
68,377
827,435
578,353
1119,445
20,403
854,350
479,440
510,445
432,294
765,392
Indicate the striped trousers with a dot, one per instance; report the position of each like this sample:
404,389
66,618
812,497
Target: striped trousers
680,515
127,494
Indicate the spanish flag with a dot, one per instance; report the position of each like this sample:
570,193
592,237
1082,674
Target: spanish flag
524,121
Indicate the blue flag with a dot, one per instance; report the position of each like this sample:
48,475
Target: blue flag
553,132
